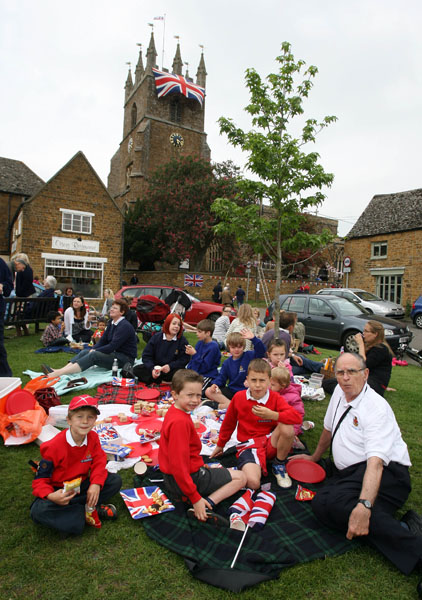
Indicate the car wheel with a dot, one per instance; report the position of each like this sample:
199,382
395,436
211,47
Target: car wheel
371,312
418,321
349,342
214,316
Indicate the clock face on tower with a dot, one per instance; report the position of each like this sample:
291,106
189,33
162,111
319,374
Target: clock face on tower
176,140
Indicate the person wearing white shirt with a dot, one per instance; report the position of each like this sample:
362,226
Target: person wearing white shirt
370,479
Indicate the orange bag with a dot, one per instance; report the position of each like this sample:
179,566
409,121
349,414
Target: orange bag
42,381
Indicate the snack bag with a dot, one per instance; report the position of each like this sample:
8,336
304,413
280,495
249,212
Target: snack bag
72,485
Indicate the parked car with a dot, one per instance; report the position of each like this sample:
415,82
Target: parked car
200,309
416,312
335,320
373,304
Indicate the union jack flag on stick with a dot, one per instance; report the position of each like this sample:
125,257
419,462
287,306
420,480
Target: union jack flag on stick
194,280
168,83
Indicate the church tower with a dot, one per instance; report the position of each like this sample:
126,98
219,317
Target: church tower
156,128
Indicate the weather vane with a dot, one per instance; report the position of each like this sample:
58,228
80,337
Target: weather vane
151,25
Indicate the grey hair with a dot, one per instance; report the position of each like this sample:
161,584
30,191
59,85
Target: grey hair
21,261
355,355
52,281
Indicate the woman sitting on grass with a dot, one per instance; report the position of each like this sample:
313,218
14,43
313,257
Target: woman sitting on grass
118,341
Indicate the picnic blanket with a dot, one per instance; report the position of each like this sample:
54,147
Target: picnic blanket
292,535
49,349
93,375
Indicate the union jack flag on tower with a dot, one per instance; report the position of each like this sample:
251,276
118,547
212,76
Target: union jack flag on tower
169,83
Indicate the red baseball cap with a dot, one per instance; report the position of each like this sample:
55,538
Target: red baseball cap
82,402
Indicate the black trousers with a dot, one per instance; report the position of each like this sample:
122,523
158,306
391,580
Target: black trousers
71,518
5,370
144,374
333,504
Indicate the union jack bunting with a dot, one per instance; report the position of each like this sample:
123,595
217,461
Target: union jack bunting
168,83
146,502
194,280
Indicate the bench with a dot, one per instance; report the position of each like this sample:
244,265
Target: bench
22,311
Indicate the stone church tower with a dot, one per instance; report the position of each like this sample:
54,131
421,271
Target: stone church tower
155,130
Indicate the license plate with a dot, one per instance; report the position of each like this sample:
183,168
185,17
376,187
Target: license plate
403,339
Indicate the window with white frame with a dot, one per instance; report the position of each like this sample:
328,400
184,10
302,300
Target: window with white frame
389,287
379,250
76,221
84,274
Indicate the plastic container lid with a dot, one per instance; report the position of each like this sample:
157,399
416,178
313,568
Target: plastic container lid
305,471
8,384
19,401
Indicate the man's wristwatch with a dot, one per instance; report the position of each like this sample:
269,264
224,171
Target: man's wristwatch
367,504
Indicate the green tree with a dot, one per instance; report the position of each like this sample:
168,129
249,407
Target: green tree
139,236
174,218
289,177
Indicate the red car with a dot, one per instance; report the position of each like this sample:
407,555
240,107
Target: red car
200,309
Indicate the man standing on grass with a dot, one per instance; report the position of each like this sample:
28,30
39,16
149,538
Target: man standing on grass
370,479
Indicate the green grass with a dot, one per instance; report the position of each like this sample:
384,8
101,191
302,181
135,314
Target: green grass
120,561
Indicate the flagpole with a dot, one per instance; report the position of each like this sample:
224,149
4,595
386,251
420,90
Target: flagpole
239,547
164,32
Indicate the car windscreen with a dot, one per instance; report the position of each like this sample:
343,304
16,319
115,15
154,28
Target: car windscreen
346,308
368,296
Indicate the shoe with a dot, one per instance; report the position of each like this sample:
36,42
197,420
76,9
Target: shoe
283,479
46,369
107,512
413,521
212,517
236,522
298,445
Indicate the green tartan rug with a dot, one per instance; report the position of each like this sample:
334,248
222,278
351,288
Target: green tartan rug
291,535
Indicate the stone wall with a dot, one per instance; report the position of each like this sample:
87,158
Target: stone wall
176,278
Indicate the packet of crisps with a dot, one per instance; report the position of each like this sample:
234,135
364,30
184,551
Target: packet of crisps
73,485
304,494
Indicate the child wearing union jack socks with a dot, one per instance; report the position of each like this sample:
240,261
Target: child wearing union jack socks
72,484
185,475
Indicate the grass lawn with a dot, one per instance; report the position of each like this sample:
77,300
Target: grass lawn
120,561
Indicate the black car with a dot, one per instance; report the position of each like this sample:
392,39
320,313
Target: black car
336,320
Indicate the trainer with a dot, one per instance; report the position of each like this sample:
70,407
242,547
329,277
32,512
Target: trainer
370,479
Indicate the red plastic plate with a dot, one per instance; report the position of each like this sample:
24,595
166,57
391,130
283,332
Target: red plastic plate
148,395
139,449
19,401
305,471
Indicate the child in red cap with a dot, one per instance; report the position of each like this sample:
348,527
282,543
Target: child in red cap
72,454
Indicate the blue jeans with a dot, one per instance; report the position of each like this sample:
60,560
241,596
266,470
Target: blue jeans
91,358
309,366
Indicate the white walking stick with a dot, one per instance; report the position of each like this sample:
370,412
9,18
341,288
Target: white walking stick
239,547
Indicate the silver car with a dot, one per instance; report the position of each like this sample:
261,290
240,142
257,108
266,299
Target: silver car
373,304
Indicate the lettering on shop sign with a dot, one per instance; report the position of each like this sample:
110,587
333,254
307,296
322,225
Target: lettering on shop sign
59,243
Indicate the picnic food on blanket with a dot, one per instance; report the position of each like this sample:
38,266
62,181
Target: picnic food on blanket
304,494
118,451
146,502
73,485
143,407
147,435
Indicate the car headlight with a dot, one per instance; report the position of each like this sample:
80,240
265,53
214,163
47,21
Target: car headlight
388,332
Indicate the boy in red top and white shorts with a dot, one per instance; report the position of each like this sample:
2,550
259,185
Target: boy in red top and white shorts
185,474
264,423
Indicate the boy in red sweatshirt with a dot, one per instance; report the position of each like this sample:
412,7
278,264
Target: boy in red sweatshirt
264,427
179,455
73,453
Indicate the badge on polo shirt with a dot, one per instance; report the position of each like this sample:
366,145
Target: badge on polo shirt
355,423
88,458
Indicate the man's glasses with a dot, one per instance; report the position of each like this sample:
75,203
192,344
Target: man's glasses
348,372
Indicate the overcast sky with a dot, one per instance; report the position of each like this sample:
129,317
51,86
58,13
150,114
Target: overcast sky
63,72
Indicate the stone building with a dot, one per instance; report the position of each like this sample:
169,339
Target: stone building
385,247
17,183
71,228
155,129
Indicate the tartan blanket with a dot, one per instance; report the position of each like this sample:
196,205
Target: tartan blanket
114,394
291,535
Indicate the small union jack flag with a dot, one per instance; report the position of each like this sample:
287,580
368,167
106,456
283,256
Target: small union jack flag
194,280
168,83
145,502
